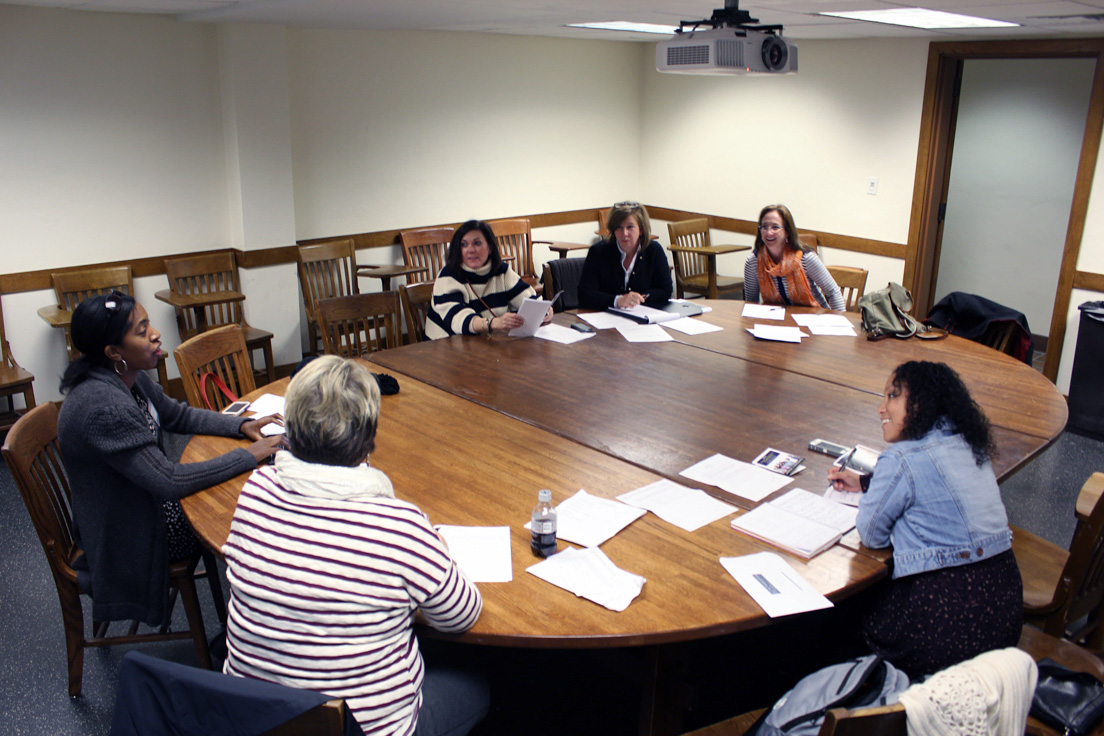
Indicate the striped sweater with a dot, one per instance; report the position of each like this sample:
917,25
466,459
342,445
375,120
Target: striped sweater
821,283
326,570
459,298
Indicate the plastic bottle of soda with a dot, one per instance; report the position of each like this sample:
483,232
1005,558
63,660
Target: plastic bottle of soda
543,526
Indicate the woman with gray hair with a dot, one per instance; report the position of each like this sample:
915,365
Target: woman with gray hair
327,569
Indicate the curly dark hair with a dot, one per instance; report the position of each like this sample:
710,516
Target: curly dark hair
935,391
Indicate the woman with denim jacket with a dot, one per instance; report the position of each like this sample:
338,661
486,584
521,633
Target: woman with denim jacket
956,589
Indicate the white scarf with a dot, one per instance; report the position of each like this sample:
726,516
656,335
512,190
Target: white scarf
331,481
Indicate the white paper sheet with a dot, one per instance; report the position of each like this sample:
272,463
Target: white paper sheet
826,324
844,497
653,315
267,405
777,333
644,333
589,574
604,320
692,326
482,552
736,477
763,311
810,505
533,311
687,508
590,520
774,585
561,334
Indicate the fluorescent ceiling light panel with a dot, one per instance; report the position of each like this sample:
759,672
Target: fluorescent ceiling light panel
922,18
624,25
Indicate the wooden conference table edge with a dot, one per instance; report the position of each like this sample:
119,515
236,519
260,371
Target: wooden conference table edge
841,572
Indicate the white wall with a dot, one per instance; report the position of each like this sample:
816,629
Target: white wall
1017,144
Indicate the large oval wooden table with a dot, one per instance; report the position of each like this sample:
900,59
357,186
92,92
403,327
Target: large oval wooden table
481,424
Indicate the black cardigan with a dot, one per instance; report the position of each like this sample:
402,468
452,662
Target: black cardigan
603,277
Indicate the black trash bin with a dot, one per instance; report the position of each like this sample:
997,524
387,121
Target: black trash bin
1086,391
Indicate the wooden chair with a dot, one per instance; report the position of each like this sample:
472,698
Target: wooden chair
221,352
326,270
415,300
1064,590
563,275
886,720
33,455
809,240
358,324
211,274
515,241
327,719
426,248
603,220
999,336
695,265
13,380
852,282
73,287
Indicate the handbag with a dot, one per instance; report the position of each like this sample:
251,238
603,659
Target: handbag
219,384
885,313
1072,702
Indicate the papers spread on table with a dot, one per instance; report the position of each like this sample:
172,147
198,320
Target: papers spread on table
844,497
826,324
267,405
604,320
799,522
777,333
644,333
687,508
736,477
691,326
645,314
561,334
763,311
532,311
774,585
589,574
590,520
482,552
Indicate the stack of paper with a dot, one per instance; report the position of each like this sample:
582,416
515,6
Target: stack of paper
482,552
799,522
774,585
826,324
763,311
736,477
561,334
688,508
267,405
588,573
590,520
777,333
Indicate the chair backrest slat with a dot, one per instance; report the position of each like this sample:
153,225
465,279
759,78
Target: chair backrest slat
222,352
515,241
690,234
426,248
852,282
358,324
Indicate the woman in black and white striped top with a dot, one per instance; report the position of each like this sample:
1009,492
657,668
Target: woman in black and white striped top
328,568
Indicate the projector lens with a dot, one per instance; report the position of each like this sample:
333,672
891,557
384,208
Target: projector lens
775,53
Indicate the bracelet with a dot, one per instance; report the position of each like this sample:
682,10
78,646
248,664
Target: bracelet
490,329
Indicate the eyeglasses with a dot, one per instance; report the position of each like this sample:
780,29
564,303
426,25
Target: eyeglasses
111,304
769,228
626,204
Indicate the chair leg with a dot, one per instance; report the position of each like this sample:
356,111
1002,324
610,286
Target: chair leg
210,564
72,618
270,367
187,587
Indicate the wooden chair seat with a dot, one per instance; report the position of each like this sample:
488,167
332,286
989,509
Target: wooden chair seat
1064,589
33,455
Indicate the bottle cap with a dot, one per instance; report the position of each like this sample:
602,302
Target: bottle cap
545,496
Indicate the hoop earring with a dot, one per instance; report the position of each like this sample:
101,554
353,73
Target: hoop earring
125,367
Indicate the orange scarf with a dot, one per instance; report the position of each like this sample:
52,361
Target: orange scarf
791,271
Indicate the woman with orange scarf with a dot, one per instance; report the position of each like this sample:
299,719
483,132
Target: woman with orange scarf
782,272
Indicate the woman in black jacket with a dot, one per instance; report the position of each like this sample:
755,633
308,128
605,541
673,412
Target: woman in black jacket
628,268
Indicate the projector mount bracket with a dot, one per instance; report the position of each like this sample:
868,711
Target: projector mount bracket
730,16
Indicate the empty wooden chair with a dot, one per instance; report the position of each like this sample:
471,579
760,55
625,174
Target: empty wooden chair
13,380
326,270
416,301
426,249
73,287
216,354
212,281
603,220
1064,589
32,453
563,275
696,261
515,243
852,282
358,324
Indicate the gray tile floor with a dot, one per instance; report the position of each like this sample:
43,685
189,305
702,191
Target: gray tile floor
33,686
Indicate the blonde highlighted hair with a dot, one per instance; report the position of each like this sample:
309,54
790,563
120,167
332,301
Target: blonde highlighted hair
331,412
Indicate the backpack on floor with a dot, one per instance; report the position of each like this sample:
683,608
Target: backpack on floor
864,682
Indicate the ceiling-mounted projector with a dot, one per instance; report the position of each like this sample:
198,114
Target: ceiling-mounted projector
727,51
729,43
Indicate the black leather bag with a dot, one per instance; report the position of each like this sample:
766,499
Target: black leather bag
1070,701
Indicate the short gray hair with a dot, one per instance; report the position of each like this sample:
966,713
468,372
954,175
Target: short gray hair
331,412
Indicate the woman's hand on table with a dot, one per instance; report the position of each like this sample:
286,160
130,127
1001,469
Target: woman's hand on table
628,301
251,428
844,480
266,447
547,316
509,321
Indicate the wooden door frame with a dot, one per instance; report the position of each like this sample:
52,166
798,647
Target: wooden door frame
933,162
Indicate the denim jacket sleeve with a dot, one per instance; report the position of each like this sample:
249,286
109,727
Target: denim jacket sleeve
889,495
